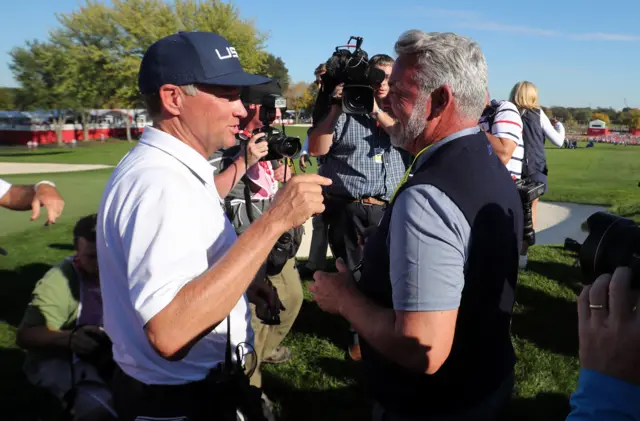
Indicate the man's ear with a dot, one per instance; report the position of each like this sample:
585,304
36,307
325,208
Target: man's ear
171,97
441,100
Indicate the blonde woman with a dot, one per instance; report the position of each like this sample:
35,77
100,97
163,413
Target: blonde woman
535,130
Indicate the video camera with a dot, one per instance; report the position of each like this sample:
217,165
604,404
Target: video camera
613,241
359,77
529,191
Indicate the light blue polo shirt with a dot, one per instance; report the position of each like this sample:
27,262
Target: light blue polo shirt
428,242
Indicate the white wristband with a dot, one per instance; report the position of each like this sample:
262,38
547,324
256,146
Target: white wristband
35,187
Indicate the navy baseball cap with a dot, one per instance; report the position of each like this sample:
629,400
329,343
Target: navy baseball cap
193,58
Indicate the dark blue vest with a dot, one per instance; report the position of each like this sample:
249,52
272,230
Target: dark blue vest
482,356
535,159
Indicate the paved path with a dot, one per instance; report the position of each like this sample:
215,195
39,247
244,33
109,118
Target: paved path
556,221
34,168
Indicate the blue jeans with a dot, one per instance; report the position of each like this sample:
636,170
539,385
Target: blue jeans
488,410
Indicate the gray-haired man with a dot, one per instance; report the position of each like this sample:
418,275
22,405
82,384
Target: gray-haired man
434,300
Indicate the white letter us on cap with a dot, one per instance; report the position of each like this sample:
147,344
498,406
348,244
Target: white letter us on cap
231,53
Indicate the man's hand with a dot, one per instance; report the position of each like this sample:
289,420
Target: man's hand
256,150
298,200
304,161
329,288
279,173
86,339
49,197
265,297
609,327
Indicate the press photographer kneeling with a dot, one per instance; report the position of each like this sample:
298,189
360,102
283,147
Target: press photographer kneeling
276,293
175,304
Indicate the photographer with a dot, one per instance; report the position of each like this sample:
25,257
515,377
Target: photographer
175,305
61,327
536,129
25,197
364,166
262,181
433,302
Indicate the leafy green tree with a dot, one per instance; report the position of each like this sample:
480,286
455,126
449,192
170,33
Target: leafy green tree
275,68
40,70
8,98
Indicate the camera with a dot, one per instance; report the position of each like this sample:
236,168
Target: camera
280,145
613,241
359,77
529,191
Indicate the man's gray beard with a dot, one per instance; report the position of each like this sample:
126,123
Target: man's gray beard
417,123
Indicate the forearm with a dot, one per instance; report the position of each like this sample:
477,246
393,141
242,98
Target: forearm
18,198
43,338
378,326
204,302
227,179
321,137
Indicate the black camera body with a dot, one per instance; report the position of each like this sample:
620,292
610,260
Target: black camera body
359,78
613,241
529,191
280,145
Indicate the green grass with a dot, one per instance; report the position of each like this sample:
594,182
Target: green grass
319,378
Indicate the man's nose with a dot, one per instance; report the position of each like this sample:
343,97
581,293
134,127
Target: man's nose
240,111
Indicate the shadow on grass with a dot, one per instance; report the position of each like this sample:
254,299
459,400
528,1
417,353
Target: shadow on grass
549,322
567,275
34,153
59,246
342,403
315,322
16,287
545,406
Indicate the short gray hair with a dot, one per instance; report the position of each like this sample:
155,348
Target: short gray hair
452,60
153,103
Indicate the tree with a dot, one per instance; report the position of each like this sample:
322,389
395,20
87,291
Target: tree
40,69
548,112
299,98
582,115
8,98
114,37
601,116
275,68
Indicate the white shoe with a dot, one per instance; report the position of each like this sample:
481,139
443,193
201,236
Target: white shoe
523,261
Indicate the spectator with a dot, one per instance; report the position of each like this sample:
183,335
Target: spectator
536,128
63,322
434,301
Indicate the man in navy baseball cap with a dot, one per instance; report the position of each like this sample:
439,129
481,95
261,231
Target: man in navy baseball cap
193,58
191,83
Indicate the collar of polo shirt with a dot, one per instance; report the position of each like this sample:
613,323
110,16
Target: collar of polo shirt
180,151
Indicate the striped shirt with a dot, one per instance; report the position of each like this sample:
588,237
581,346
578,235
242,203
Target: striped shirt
507,124
361,161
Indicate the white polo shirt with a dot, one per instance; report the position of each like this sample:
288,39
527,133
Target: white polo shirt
4,187
160,225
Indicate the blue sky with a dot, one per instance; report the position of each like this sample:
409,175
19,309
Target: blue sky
578,53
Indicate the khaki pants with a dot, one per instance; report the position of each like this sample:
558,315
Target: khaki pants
266,337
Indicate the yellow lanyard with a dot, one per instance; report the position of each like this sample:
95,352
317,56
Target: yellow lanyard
407,173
